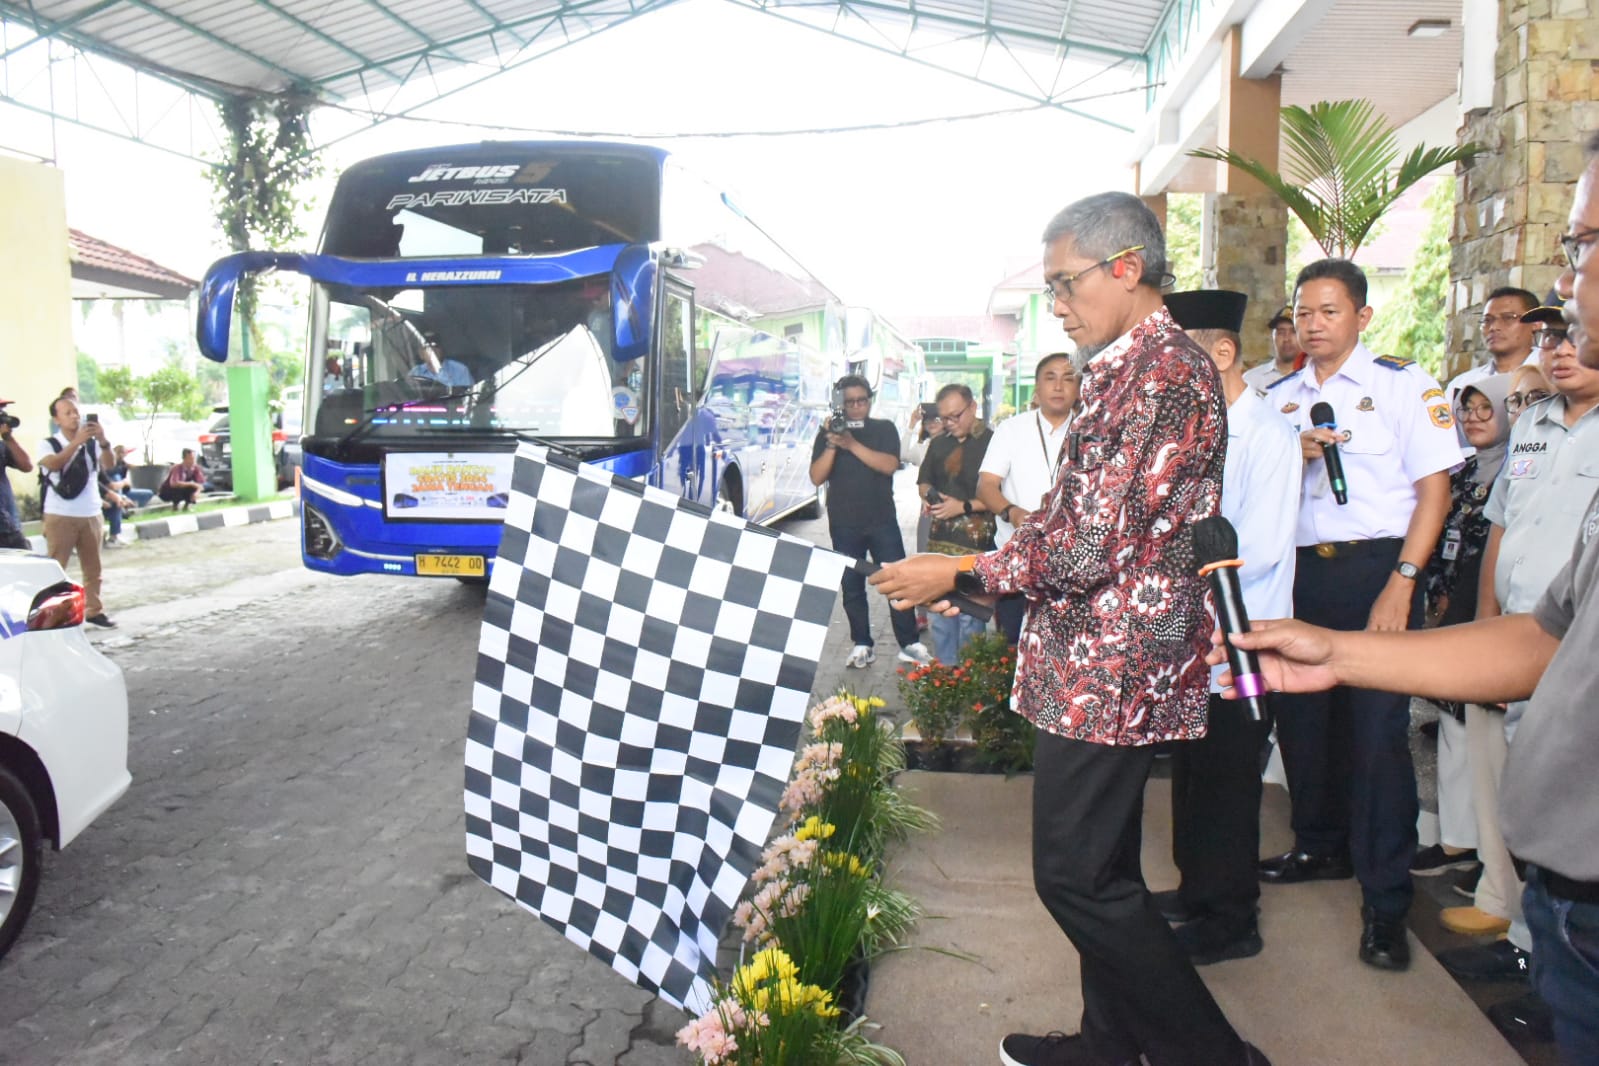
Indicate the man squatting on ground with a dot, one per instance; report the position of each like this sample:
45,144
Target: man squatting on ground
1216,782
1549,800
1111,660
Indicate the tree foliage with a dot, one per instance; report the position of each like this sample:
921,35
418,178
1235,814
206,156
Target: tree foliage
117,386
1413,325
1184,214
1339,174
256,188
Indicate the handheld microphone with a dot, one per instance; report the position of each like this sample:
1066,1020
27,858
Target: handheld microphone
1322,415
1216,551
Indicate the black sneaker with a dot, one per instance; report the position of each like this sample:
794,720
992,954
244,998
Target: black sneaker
1434,860
1051,1049
1499,961
101,620
1526,1018
1465,881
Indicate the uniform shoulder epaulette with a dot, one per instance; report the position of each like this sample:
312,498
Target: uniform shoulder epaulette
1393,362
1285,377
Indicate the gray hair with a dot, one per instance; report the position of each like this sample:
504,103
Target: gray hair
1101,225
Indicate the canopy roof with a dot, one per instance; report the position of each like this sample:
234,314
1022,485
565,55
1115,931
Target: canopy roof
337,50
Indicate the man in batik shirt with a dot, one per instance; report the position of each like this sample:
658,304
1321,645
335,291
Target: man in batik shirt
1112,660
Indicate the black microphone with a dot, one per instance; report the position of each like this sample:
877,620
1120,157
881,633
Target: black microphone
1322,415
1216,552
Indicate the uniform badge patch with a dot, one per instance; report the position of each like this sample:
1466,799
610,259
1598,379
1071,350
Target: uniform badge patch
1348,435
1441,416
1290,408
1364,404
1522,467
1432,394
1590,528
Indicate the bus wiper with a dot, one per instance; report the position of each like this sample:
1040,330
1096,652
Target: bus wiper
342,449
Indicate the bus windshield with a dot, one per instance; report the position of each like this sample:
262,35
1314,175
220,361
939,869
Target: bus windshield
468,360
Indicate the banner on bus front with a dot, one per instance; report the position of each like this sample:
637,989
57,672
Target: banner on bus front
447,486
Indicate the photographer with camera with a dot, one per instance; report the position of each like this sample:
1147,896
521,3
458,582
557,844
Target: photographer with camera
857,456
11,454
70,462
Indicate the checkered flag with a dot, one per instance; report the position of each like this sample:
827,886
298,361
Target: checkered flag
644,669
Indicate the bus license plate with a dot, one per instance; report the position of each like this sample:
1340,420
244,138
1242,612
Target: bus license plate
450,566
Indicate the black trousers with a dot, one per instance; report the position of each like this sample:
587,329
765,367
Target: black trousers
1215,814
1140,992
1347,752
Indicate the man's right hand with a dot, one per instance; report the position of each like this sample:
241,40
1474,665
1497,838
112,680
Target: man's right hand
1294,656
1311,441
841,441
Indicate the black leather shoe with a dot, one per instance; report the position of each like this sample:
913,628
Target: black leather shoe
1171,906
1211,940
1383,943
1525,1018
1292,867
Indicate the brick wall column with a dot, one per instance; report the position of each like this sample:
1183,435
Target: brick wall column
1512,202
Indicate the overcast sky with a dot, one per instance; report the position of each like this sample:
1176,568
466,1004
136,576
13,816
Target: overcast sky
919,220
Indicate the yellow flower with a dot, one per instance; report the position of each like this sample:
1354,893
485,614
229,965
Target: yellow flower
815,829
836,860
764,964
877,701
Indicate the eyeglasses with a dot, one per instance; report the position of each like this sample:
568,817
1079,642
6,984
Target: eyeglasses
1508,319
950,420
1061,288
1517,400
1477,412
857,401
1549,339
1573,243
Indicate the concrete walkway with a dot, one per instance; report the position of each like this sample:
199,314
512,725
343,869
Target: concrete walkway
1305,1001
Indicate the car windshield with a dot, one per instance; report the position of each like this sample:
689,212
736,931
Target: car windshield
531,359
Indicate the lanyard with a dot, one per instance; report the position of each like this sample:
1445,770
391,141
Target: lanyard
1060,453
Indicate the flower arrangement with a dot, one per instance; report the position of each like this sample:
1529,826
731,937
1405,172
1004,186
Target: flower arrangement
819,906
973,694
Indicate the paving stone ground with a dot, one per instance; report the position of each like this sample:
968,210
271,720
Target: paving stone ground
286,882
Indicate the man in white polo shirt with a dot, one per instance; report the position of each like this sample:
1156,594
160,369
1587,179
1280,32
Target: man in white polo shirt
1022,462
69,463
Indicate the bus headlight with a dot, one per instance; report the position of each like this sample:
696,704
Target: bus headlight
320,540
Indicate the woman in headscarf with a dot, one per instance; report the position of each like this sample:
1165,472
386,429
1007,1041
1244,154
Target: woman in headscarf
1451,583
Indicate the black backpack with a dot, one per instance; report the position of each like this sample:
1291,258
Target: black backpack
70,482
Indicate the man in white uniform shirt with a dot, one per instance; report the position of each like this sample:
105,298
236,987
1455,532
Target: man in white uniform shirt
1216,779
1507,338
1347,752
1022,462
1284,353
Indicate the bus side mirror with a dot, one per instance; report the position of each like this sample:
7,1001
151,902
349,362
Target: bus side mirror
632,302
215,318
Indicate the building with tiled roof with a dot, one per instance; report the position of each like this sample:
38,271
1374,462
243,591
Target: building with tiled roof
102,271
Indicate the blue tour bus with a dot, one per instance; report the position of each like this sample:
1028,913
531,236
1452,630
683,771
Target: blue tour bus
598,298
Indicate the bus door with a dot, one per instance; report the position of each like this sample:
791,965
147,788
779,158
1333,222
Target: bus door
682,463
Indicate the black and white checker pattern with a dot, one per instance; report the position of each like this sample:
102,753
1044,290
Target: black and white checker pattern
643,673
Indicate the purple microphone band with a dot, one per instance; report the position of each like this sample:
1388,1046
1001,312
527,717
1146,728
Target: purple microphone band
1249,686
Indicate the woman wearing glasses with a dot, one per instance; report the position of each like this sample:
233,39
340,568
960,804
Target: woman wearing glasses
1549,478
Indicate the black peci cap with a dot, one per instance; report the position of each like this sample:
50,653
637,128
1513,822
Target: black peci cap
1545,316
1286,315
1208,309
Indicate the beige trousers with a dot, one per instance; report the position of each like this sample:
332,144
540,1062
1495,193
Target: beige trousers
63,534
1499,890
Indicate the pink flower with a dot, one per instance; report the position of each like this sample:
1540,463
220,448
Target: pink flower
708,1037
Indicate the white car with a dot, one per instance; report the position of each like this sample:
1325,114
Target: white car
63,727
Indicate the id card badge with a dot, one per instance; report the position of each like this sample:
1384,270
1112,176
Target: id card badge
1451,547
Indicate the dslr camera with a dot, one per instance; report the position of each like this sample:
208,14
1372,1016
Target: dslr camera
837,420
7,419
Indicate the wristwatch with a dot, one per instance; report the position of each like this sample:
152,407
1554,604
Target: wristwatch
968,506
1407,570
